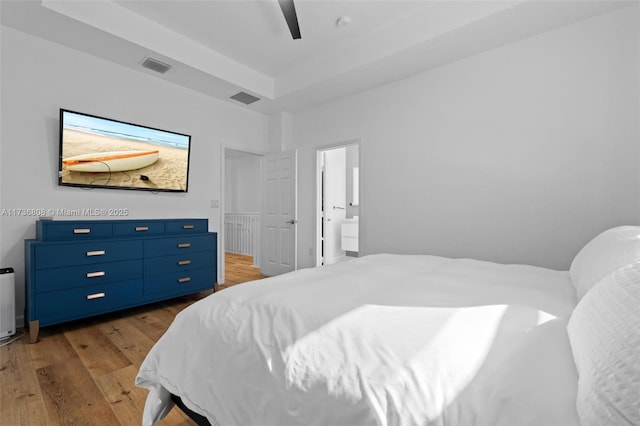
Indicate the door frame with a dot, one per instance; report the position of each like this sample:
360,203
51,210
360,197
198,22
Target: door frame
222,204
318,204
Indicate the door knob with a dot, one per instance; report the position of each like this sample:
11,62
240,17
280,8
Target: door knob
292,222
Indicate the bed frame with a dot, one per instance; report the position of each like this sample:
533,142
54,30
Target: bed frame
198,418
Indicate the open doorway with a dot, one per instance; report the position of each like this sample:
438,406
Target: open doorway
338,211
242,205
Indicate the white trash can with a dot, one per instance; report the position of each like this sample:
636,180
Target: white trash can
7,303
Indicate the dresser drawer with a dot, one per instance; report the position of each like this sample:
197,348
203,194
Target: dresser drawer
72,231
182,282
57,255
138,228
179,245
87,300
186,226
54,279
179,262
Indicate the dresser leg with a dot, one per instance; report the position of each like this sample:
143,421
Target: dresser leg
34,329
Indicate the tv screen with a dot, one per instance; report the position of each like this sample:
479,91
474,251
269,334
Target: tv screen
97,152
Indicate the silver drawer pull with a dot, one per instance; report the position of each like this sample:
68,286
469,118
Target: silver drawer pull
95,296
82,230
188,226
142,228
184,262
95,274
184,280
184,245
96,253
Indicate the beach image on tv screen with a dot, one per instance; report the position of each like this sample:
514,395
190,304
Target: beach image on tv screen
102,152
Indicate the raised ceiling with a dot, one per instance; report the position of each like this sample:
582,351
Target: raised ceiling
220,48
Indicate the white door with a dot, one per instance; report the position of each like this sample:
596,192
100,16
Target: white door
279,224
334,203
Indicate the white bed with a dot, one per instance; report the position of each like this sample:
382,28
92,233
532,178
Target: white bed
382,340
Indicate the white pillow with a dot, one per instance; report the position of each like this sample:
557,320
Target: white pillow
604,331
607,252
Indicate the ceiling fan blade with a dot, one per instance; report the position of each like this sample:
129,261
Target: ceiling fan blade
289,12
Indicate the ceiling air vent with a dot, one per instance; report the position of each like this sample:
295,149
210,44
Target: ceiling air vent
156,65
245,98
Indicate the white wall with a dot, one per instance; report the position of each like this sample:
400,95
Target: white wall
519,155
39,77
243,184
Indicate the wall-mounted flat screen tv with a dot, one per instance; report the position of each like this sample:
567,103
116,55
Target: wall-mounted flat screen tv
97,152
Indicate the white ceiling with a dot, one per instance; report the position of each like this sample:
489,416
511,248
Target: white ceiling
221,47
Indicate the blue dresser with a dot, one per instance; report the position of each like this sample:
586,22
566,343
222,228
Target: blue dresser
76,269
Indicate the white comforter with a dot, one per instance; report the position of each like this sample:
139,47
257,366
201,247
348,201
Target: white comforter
379,340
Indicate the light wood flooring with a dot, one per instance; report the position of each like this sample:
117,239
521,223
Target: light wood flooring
83,372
